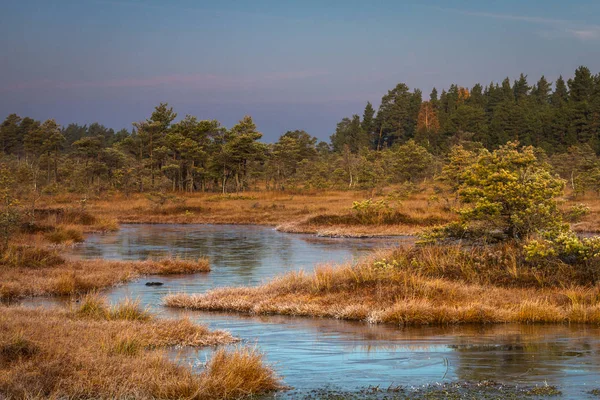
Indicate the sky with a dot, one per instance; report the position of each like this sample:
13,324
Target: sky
289,64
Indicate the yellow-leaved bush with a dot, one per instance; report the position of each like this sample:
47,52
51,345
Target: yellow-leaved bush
509,194
504,194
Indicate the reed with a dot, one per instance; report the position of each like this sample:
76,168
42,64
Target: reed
297,211
94,306
172,265
419,286
65,235
36,271
54,353
325,212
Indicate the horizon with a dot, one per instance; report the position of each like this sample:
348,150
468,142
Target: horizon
323,64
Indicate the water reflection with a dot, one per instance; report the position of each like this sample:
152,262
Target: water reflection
312,353
529,353
239,255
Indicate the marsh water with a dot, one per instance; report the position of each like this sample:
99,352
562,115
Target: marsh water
312,353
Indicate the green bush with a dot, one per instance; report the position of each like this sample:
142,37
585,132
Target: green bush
577,212
566,246
371,212
504,194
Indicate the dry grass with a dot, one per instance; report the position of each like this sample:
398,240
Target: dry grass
56,215
61,354
324,212
168,266
95,307
590,222
35,271
416,286
65,235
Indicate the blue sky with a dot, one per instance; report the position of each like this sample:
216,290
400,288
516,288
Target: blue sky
289,64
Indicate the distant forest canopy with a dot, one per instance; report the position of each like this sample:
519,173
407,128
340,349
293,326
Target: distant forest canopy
405,139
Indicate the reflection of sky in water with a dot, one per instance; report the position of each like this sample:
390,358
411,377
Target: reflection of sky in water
312,352
239,255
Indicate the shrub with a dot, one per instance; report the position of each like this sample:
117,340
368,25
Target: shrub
404,191
369,211
577,212
566,246
505,194
10,216
159,199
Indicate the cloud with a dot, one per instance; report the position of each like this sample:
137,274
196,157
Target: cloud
560,27
199,81
585,34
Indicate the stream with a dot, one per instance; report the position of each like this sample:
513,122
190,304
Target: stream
313,353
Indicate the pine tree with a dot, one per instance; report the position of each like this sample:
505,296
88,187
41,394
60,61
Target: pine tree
433,98
397,115
508,94
581,86
9,134
428,126
349,132
368,124
561,94
521,88
541,91
477,98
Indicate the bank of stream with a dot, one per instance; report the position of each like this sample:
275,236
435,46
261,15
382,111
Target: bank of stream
315,353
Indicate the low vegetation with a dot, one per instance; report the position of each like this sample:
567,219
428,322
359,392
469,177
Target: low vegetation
72,354
457,390
35,271
423,285
520,262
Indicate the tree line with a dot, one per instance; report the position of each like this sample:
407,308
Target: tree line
405,139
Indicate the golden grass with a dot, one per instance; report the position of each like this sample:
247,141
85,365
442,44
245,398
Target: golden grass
417,286
35,271
170,265
65,235
94,306
60,354
323,212
590,222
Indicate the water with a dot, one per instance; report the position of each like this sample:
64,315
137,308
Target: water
313,353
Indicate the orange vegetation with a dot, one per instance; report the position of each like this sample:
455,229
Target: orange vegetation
422,285
306,211
68,354
34,271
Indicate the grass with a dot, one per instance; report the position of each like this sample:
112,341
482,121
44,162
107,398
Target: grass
588,222
56,353
65,235
323,212
421,286
170,265
95,307
35,271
